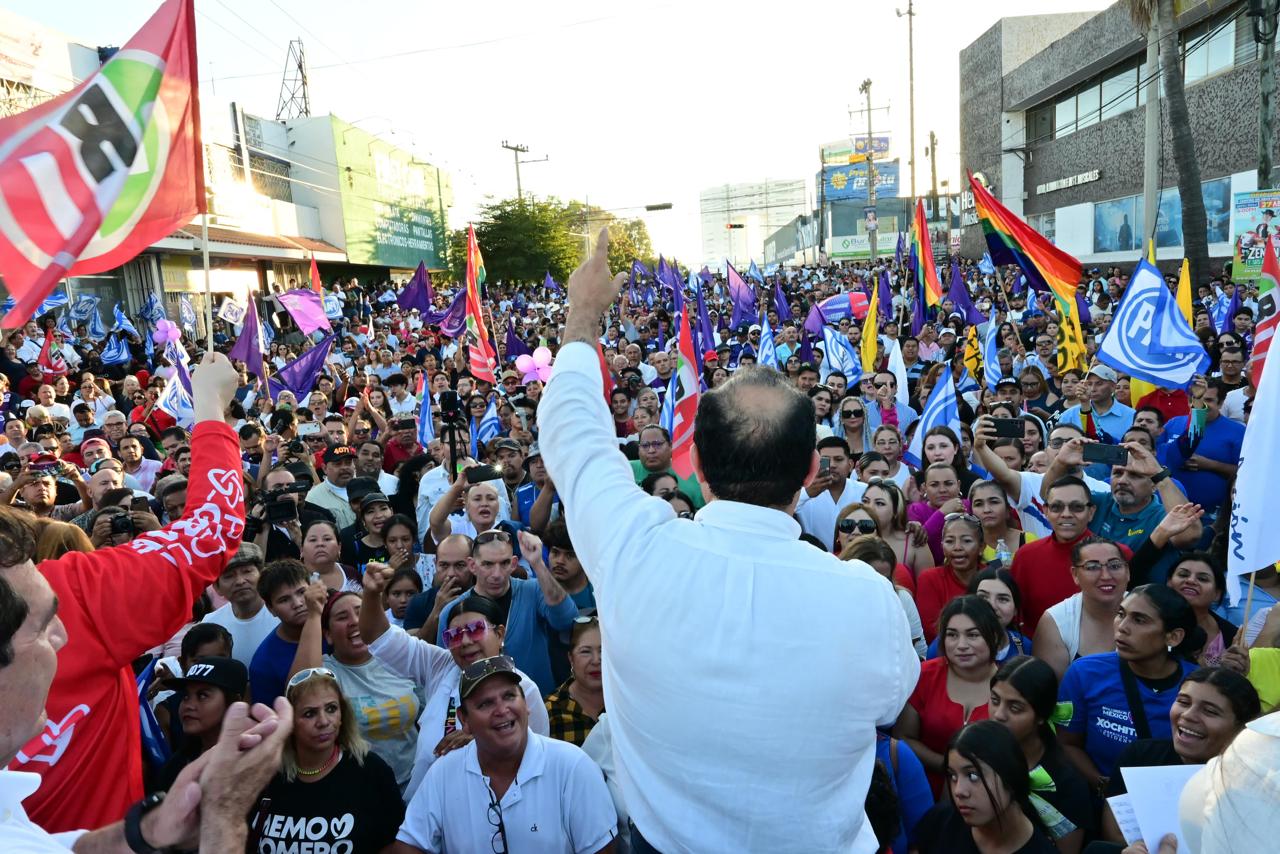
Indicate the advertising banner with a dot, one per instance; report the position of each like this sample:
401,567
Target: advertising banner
850,181
854,149
1254,223
392,204
851,247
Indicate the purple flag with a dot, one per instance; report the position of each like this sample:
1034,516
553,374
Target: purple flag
897,253
636,269
706,275
1227,320
704,334
550,284
815,320
917,314
805,351
248,347
1083,306
780,302
418,293
306,310
515,346
886,295
744,299
959,293
453,320
300,375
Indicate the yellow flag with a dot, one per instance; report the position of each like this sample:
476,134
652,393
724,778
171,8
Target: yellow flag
973,353
1184,290
871,333
1151,252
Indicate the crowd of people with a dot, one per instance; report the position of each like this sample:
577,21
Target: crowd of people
287,609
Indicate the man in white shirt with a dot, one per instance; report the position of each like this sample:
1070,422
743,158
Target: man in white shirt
830,492
742,576
331,493
518,790
245,616
399,399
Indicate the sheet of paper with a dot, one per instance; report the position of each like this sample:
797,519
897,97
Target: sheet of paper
1153,794
1122,809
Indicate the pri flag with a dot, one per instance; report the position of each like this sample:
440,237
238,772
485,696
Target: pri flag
50,360
681,403
1265,328
482,356
90,179
1149,339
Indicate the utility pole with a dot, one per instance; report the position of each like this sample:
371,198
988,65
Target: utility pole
910,15
865,89
933,167
1151,142
1263,13
516,151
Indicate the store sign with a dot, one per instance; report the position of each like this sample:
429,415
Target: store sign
1064,183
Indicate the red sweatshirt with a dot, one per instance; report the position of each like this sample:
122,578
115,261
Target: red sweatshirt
117,603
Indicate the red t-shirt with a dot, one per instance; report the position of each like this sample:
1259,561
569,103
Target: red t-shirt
1170,403
116,604
1043,572
393,455
935,587
940,716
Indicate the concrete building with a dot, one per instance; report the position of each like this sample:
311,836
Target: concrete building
1052,114
758,209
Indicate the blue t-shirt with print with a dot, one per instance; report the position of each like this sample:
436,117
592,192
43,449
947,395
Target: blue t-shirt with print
1100,709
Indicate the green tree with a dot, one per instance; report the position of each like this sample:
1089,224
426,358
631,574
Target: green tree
523,240
1195,240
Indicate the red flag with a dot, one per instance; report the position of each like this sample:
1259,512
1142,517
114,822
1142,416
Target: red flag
482,356
685,408
92,178
1268,317
316,284
51,363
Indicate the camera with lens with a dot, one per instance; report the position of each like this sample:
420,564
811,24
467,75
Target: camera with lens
296,447
122,523
280,509
451,408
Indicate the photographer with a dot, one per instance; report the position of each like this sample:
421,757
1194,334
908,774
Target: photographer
37,486
121,517
274,523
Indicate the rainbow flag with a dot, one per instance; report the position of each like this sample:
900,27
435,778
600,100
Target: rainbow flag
481,351
926,271
1011,241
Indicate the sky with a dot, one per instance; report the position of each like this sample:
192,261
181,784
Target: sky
634,103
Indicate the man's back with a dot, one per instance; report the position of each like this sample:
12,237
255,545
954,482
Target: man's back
744,670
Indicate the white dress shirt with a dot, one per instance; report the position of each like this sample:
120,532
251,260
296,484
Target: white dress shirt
817,515
734,728
434,484
18,833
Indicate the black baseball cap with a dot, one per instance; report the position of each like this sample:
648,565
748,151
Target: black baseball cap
339,452
477,672
226,673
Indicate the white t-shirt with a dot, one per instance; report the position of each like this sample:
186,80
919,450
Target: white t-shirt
817,515
557,804
1030,505
246,635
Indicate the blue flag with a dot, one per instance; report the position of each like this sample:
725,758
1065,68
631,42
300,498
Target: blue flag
842,355
1149,337
486,430
123,323
990,347
115,352
550,284
426,424
986,266
84,307
177,398
186,313
940,410
753,272
152,311
768,354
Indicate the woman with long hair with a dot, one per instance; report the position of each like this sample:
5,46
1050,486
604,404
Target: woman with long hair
404,547
888,506
942,445
578,703
1202,581
1156,640
1071,384
822,405
989,809
876,553
887,440
1024,699
320,550
329,782
938,585
1211,708
851,425
1037,397
997,587
953,689
1084,623
990,504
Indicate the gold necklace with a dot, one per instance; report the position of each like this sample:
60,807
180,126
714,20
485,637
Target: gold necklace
311,773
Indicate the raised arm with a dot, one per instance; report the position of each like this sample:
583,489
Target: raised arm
983,432
310,651
439,518
607,512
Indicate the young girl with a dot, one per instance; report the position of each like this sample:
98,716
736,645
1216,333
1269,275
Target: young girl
997,587
404,585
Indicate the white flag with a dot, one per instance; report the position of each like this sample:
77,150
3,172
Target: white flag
1255,540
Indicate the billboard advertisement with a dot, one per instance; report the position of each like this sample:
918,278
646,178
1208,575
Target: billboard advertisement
1254,223
393,205
851,247
853,149
850,181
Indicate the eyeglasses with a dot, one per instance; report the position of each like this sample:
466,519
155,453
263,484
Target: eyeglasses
1058,442
309,673
486,537
859,526
852,413
1076,507
882,385
474,630
1113,566
652,446
495,820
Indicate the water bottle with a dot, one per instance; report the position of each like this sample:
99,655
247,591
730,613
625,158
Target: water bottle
1003,556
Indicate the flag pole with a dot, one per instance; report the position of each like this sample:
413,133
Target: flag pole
208,284
1248,599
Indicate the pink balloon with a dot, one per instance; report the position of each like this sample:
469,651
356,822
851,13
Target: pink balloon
542,357
529,377
525,363
165,332
544,372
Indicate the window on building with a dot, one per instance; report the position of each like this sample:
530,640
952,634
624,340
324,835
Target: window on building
1119,92
1045,224
1210,47
1087,106
1040,123
1117,225
1064,116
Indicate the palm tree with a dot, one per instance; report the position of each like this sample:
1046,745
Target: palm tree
1195,245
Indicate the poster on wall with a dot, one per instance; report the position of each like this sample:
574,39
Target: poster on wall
1255,223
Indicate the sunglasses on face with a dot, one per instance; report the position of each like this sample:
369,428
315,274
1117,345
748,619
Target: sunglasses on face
474,630
856,526
851,413
1076,507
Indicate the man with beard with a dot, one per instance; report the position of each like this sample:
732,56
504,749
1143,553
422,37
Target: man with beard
369,456
331,493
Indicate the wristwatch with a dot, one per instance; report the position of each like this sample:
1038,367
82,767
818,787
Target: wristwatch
1160,475
133,824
